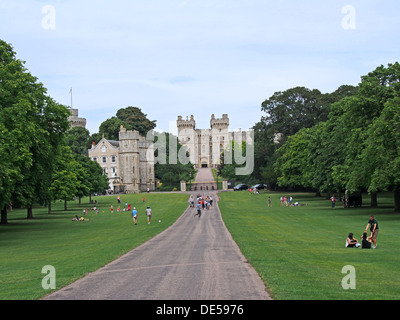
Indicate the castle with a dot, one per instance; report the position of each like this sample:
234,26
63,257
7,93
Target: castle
128,163
74,119
206,145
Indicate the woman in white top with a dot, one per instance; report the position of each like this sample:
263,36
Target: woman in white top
351,242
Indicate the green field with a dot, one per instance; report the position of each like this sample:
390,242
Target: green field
75,248
300,251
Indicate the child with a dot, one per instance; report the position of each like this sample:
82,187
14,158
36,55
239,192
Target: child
134,216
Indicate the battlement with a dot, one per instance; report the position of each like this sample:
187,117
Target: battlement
74,119
186,123
128,135
219,122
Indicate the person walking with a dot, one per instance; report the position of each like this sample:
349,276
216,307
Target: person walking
333,199
269,202
198,209
374,228
134,216
148,213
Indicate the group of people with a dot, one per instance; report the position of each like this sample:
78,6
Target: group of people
366,241
203,203
126,208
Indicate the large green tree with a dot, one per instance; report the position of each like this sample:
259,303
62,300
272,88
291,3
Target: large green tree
288,112
381,156
132,118
32,127
356,148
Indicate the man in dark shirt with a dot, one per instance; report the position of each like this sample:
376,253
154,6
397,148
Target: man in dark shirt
374,228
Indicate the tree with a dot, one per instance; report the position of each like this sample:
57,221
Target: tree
381,155
65,184
375,91
134,119
32,126
288,112
172,173
228,161
110,128
293,165
93,176
357,147
77,139
294,109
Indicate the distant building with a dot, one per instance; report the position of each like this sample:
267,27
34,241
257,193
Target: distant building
205,146
128,163
75,120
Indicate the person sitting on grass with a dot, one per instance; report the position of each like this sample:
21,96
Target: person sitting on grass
79,219
366,241
351,242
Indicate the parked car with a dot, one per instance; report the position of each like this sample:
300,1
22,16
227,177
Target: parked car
240,187
259,186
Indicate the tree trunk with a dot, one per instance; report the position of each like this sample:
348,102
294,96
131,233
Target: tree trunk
4,215
65,205
80,201
397,200
30,212
49,207
374,199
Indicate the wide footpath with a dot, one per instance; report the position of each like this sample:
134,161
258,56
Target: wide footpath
195,259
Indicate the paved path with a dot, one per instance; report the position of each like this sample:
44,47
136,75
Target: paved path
195,259
204,175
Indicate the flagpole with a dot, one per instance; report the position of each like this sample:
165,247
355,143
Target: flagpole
71,97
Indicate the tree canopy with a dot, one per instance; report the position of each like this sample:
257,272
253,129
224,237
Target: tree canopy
356,148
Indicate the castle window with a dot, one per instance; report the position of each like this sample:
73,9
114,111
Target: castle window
95,159
103,149
113,159
104,159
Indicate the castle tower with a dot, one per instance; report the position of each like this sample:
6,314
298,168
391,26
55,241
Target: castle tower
187,136
220,137
129,160
74,119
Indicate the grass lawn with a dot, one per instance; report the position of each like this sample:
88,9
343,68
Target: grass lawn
300,251
76,248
